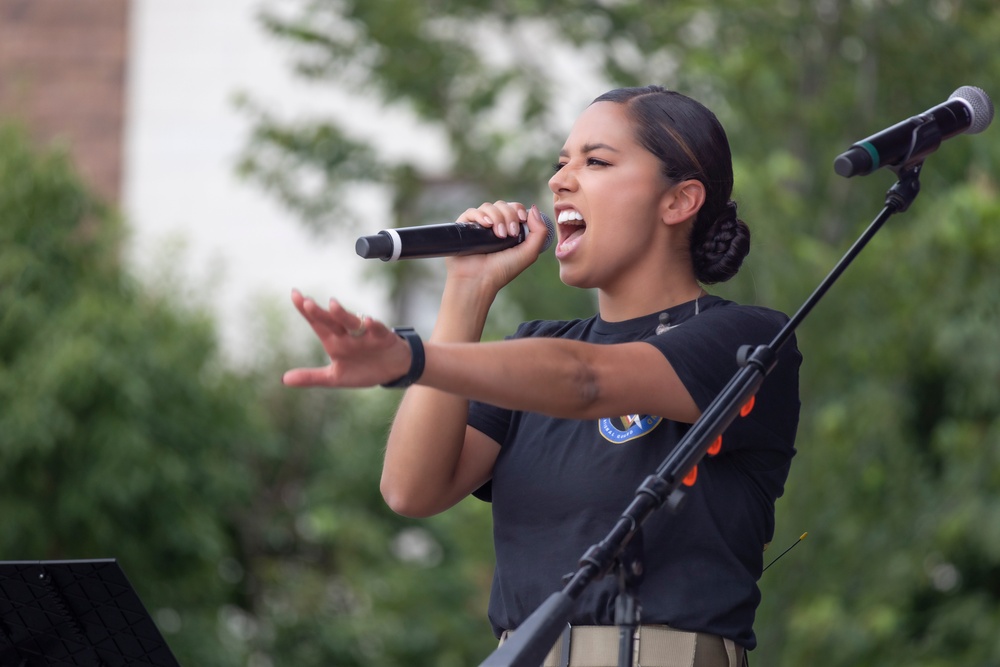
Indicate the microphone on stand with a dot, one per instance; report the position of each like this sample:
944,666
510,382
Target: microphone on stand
968,110
444,240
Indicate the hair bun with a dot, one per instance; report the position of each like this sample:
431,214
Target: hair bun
718,256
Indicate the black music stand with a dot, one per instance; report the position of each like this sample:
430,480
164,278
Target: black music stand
75,613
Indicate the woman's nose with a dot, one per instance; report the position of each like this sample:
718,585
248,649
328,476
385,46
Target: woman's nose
562,180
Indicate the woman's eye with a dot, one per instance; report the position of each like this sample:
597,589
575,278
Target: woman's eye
591,162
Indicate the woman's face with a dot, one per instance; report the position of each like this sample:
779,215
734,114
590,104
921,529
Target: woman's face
607,192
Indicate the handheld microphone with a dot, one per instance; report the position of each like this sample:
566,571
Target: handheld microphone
968,110
446,240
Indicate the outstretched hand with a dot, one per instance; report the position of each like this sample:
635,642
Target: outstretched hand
363,352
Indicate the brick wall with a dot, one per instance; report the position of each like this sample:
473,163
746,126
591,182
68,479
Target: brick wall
62,73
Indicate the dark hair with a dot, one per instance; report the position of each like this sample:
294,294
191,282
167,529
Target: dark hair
691,144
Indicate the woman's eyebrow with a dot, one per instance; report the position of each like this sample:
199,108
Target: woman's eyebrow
589,148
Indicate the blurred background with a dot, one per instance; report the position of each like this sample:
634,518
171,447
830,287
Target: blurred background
168,171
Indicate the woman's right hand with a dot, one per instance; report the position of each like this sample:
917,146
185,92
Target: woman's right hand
499,268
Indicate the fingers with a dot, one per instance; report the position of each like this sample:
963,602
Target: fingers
340,320
360,348
305,377
504,217
318,318
337,321
539,230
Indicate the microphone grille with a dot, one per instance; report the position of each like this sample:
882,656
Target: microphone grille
979,102
550,234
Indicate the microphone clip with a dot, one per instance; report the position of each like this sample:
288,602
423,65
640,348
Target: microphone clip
664,325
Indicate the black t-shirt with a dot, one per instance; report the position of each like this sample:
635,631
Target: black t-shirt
560,485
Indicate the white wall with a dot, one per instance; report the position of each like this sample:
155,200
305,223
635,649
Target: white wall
232,245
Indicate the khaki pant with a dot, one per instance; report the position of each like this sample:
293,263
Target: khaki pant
653,646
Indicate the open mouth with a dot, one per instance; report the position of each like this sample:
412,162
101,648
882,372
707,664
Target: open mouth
571,226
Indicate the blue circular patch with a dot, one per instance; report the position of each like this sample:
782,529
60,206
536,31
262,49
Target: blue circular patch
628,427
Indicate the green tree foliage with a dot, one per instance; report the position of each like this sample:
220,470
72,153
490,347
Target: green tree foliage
245,514
117,431
896,479
333,577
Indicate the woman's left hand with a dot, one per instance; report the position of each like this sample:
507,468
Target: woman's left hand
363,352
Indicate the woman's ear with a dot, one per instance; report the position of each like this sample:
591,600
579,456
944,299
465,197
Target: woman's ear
682,202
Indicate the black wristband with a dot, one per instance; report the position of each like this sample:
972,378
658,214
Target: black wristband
416,358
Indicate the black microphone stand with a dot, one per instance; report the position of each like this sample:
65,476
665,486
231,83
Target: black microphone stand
535,637
629,569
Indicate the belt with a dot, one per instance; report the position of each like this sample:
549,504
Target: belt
653,646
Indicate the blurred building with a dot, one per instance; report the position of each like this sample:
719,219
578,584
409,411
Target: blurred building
63,74
141,94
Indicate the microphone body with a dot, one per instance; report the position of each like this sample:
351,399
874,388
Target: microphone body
444,240
968,110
